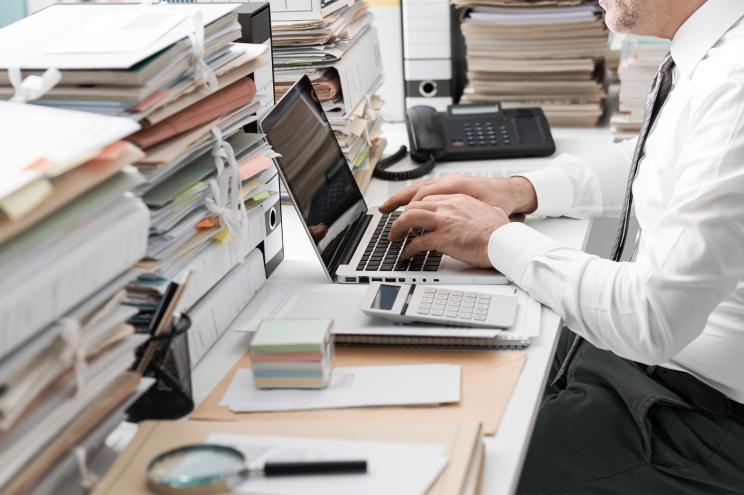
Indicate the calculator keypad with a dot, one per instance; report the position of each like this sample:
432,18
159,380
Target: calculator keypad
445,303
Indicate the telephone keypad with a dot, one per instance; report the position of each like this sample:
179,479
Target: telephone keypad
482,134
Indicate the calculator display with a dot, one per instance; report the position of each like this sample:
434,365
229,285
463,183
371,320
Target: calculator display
385,297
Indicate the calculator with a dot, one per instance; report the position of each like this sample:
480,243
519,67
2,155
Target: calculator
409,303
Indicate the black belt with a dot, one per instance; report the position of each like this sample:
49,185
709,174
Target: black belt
699,395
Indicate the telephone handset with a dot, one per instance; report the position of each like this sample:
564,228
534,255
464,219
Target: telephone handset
469,132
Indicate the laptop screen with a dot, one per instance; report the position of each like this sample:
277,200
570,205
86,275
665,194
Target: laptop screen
314,169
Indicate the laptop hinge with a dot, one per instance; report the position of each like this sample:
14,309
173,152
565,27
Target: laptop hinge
351,242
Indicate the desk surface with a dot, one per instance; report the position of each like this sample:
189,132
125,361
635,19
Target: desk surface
505,451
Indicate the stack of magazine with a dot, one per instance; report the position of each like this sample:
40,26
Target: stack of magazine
548,54
639,62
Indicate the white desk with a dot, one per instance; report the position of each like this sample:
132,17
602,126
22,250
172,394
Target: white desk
506,450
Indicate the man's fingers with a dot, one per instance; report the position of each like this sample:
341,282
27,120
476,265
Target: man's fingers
410,219
402,197
424,205
426,242
430,190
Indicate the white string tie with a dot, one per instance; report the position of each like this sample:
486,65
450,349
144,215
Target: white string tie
371,113
366,135
34,86
71,335
226,201
88,479
202,70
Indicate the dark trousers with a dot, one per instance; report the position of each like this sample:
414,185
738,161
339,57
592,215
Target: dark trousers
610,428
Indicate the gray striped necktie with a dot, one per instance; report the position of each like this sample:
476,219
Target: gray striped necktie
660,89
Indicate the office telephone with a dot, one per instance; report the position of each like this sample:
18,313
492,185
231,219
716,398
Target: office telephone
469,132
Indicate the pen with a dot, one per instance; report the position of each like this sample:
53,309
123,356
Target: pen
308,468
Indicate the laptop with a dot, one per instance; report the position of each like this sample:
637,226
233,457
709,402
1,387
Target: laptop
349,238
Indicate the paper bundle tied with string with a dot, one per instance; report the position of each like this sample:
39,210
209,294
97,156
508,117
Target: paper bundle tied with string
292,354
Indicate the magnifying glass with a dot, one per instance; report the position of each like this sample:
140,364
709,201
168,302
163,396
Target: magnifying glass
202,469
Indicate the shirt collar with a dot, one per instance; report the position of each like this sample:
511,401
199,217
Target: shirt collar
702,31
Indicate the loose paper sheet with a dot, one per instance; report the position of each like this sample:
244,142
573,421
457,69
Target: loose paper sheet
363,386
392,468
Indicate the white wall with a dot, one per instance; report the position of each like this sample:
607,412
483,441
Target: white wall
388,24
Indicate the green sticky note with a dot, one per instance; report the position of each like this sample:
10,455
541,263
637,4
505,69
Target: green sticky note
175,185
280,336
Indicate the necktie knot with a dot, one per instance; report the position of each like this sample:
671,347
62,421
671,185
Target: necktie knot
667,64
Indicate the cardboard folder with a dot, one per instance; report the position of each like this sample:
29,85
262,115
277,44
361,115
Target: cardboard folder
488,379
461,441
224,101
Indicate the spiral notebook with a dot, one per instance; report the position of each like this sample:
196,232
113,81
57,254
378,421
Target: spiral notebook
283,300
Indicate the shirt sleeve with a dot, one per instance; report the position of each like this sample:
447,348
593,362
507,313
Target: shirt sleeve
584,185
689,260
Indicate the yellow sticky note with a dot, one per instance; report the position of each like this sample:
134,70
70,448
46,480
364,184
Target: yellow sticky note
261,196
222,236
21,202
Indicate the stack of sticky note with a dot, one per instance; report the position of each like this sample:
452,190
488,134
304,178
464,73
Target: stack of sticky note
292,354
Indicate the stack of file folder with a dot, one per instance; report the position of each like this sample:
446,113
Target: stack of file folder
340,53
639,62
548,54
70,233
210,185
142,61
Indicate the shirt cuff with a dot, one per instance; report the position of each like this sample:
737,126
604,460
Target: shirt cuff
514,246
554,190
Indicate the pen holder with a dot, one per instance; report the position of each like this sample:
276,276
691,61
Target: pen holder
171,396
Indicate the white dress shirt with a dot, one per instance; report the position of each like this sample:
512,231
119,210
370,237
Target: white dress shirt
680,303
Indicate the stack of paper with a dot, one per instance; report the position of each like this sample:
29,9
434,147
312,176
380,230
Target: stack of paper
548,54
69,236
126,59
292,354
340,53
175,70
640,60
187,233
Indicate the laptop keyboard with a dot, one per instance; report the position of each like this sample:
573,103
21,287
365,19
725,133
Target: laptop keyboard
382,255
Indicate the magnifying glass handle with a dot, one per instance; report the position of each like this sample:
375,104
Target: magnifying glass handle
319,467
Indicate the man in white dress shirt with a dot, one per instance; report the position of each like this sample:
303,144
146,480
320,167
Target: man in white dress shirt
652,401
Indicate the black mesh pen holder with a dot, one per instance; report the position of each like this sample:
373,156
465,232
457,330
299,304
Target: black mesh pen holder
171,396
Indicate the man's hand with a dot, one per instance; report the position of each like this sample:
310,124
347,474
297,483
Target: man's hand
459,226
513,195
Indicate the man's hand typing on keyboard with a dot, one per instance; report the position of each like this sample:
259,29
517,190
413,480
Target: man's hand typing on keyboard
513,195
457,225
